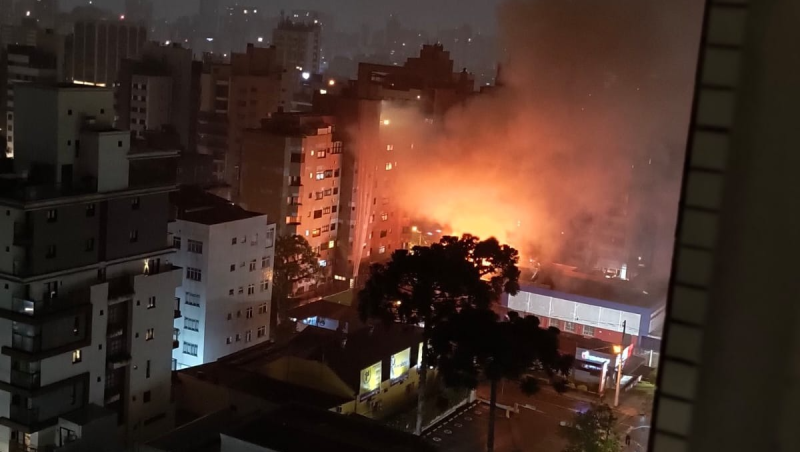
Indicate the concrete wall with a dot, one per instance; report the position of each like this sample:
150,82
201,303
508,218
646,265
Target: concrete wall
149,220
214,291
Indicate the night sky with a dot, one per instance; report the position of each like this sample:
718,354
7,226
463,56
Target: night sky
349,14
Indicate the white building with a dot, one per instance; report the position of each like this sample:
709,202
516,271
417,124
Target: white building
86,284
225,296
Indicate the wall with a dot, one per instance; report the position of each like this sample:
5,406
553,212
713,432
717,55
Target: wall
149,220
602,314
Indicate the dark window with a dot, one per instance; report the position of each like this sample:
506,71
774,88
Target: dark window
90,244
233,267
69,112
335,208
119,143
176,242
146,396
51,251
134,236
52,216
90,210
135,203
147,370
318,214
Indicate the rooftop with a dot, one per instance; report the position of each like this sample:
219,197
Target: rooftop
296,428
362,348
556,280
251,382
197,206
329,310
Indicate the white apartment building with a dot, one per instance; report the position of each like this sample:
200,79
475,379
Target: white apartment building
228,253
86,283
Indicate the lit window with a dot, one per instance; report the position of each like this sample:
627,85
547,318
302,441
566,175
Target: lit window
151,302
389,166
149,334
76,356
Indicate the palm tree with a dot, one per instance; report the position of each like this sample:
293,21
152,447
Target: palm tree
422,285
473,343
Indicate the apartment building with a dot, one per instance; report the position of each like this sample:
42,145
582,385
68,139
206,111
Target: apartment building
291,170
226,292
96,48
87,296
298,44
22,64
258,87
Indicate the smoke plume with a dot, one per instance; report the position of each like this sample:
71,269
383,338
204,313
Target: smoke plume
591,118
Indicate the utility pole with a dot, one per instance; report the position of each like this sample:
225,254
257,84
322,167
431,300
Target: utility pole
619,363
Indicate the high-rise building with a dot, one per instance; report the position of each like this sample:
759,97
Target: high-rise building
225,300
728,378
96,49
291,170
212,119
241,25
139,10
22,64
258,88
89,288
159,90
209,15
298,44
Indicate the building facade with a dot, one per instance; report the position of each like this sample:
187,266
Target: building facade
88,304
225,299
292,172
22,64
96,48
298,44
258,88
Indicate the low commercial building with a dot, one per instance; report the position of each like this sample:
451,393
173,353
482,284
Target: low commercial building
225,298
591,306
367,372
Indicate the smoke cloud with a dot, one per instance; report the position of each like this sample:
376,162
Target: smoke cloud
592,118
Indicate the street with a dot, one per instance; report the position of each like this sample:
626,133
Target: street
535,427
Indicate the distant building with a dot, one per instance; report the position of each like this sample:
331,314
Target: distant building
89,300
22,64
291,170
258,87
371,372
226,304
97,47
298,44
212,118
161,90
139,11
241,25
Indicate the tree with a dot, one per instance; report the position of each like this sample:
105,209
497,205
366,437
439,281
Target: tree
471,344
592,431
295,262
422,285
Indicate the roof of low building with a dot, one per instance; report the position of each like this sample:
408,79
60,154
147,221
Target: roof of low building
197,206
296,428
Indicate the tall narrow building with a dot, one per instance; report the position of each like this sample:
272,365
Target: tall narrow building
292,172
87,298
226,292
298,44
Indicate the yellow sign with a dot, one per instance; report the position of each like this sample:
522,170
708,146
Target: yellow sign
371,378
400,363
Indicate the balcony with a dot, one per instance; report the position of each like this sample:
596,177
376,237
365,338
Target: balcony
26,380
293,221
118,360
176,333
177,310
121,287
